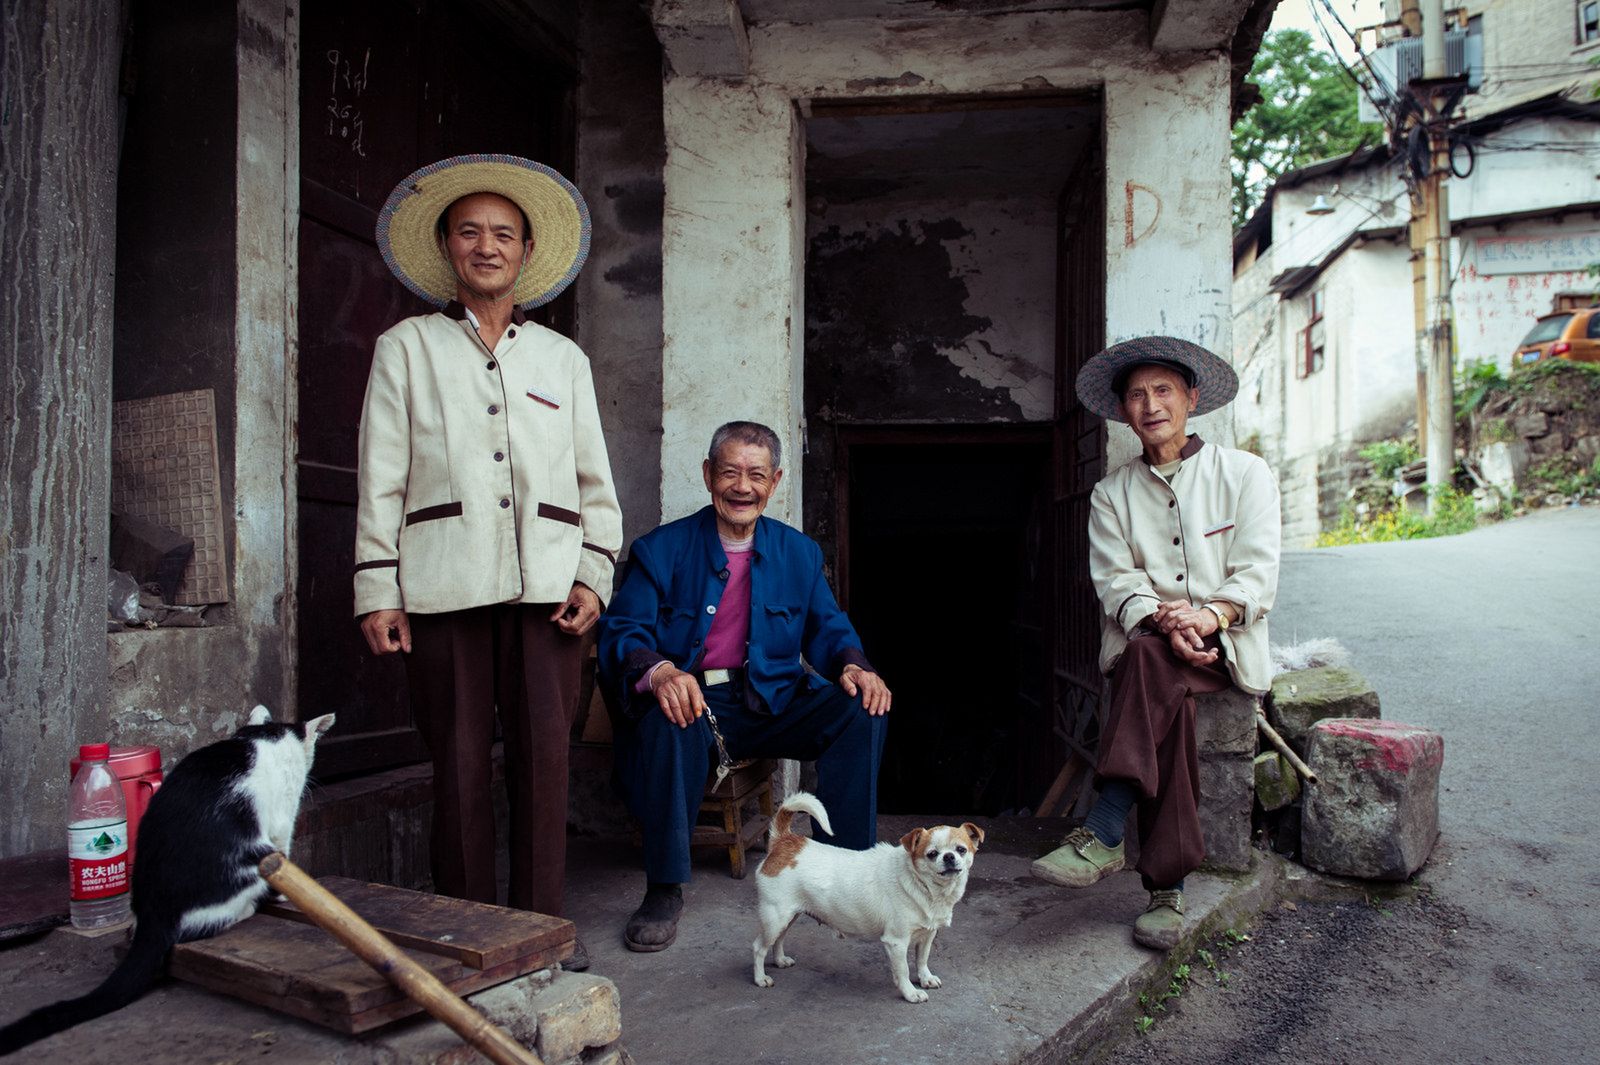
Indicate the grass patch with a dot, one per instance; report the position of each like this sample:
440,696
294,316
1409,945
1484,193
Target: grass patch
1453,512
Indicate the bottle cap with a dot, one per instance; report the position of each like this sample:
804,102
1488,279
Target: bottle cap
94,752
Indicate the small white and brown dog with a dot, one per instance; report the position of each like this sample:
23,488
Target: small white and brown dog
900,894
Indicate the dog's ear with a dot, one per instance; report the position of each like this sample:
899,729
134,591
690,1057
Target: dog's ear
912,841
974,831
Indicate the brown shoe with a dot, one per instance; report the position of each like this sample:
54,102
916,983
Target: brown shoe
654,925
579,961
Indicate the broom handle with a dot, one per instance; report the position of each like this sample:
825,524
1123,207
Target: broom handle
372,947
1284,749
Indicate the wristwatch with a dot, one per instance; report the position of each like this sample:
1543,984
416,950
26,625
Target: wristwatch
1222,615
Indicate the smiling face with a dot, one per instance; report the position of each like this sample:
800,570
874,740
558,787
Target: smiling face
1157,402
484,241
944,852
741,481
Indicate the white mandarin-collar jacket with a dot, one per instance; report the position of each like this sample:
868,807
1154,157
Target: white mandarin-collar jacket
483,475
1211,534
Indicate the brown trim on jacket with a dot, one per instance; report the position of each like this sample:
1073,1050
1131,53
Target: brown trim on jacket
443,510
587,546
555,513
382,563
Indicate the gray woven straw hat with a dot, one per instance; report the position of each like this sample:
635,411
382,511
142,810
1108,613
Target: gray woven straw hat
560,219
1210,374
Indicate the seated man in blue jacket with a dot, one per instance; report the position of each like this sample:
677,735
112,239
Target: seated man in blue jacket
719,647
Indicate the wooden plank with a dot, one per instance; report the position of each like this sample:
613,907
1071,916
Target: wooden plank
474,933
35,895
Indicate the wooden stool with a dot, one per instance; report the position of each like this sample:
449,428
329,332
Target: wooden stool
736,833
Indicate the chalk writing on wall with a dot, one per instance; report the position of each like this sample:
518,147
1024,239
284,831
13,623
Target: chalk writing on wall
1536,254
348,80
1131,232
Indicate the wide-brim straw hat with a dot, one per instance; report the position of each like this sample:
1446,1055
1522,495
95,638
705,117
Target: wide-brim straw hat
408,233
1097,381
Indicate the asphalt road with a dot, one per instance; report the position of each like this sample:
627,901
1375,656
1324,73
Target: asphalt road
1493,639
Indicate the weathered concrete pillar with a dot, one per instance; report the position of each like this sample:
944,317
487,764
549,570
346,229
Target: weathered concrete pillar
1169,259
58,206
732,266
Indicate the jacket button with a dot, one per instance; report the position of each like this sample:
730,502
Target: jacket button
710,609
511,332
504,503
493,409
489,365
1171,503
1180,576
500,456
1174,541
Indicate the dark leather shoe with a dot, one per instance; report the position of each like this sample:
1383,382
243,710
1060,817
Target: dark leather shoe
654,925
579,962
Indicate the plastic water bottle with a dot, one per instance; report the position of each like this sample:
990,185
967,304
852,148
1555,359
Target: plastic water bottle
97,842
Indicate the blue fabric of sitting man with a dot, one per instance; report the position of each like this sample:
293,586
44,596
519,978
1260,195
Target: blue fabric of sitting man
725,623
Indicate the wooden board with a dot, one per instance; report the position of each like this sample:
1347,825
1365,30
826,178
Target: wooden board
35,894
476,934
279,960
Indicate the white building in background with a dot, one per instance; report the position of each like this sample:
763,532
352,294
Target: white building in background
1324,334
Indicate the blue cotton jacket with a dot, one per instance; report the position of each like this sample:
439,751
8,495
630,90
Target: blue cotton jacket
674,581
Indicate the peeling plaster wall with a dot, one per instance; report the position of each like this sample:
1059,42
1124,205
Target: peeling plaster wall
1494,311
1168,251
621,149
926,311
731,308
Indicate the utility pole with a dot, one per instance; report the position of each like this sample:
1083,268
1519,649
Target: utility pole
1417,240
1437,95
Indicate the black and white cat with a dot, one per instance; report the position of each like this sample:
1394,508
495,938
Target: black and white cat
217,814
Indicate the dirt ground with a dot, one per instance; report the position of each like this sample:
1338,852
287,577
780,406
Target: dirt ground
1407,978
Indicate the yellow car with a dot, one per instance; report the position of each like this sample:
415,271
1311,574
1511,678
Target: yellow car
1567,335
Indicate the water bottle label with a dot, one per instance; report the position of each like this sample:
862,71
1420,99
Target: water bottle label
98,858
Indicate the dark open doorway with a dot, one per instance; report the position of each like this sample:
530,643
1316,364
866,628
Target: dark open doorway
944,571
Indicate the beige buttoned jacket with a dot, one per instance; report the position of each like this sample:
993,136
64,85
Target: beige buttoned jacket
1213,533
483,475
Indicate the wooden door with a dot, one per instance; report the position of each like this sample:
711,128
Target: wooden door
385,88
1079,460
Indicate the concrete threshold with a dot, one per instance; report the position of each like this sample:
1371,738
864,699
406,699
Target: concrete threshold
1032,972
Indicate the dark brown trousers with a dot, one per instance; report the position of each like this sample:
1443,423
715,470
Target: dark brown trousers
1149,739
462,666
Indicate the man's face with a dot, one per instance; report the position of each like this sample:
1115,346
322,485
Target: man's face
740,482
484,242
1156,402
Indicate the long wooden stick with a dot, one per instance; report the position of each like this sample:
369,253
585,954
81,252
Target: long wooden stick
1284,749
1058,788
372,947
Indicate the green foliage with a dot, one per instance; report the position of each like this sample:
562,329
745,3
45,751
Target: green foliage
1564,475
1475,383
1389,456
1144,1024
1307,112
1454,512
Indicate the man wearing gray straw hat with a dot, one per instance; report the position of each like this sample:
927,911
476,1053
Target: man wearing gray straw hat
487,524
1183,552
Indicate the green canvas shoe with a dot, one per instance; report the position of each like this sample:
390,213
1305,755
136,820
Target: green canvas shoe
1159,925
1079,861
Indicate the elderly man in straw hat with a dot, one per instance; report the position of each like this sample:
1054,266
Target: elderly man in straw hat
487,524
1183,551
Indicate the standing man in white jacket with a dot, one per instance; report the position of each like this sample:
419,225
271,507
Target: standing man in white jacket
1183,552
487,525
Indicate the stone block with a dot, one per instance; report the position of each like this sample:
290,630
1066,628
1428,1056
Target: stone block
1225,722
1536,423
1226,794
576,1012
1303,697
1277,784
1374,809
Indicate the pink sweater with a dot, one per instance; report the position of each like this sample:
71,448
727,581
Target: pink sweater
730,629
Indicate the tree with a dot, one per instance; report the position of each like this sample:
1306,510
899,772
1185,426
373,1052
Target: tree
1307,112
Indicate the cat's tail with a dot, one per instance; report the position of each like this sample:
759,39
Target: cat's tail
132,978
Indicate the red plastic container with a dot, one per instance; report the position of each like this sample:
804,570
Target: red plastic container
139,770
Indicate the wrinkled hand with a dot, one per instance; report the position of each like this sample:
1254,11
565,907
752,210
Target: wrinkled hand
1178,613
579,613
875,695
678,694
387,631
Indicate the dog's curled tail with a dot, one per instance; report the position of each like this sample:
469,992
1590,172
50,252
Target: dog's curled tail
800,802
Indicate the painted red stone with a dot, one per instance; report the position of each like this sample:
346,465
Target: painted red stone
1399,747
